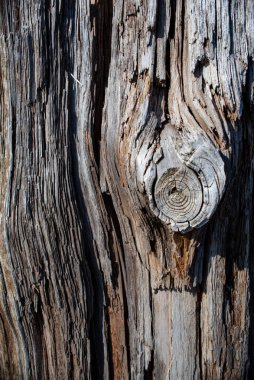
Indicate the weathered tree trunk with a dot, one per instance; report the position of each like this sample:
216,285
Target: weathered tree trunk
127,144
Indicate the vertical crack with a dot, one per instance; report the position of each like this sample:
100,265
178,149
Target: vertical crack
231,28
101,19
171,36
91,275
199,330
172,19
115,224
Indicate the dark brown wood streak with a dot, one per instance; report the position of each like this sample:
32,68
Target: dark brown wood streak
126,179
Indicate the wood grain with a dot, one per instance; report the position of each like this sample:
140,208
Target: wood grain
103,104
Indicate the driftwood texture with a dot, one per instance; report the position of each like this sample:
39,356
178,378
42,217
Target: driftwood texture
126,209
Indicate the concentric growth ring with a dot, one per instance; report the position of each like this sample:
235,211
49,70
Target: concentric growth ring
178,195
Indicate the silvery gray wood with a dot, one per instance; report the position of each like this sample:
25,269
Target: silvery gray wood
114,114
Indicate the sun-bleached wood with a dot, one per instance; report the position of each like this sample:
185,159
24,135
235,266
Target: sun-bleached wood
184,179
103,104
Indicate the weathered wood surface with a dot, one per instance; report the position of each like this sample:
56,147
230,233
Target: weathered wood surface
126,189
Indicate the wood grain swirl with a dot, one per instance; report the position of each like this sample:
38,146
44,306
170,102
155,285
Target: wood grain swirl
186,186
